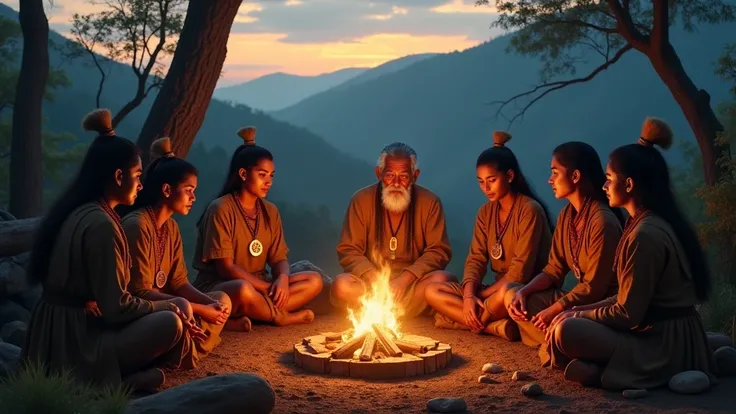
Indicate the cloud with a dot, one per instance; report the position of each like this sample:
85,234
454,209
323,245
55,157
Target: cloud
394,11
317,21
267,50
463,6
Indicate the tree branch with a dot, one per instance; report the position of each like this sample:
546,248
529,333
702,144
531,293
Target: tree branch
627,28
553,86
579,23
661,25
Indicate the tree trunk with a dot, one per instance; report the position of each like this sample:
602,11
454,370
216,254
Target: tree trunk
26,159
181,104
695,105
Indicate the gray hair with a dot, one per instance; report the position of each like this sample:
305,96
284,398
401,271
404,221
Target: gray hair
398,149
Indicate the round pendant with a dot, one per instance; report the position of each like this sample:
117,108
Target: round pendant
255,247
393,244
160,279
497,251
577,272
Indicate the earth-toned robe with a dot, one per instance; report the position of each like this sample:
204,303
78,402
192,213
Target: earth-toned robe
88,263
659,331
599,237
223,233
526,244
428,250
141,233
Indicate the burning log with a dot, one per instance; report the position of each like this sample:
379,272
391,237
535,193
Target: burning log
410,347
384,338
314,347
348,349
366,353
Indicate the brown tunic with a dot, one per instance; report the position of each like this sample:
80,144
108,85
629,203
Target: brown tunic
141,233
653,272
429,250
223,233
526,243
88,263
599,239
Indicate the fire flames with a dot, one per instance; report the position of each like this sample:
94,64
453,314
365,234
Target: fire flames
377,306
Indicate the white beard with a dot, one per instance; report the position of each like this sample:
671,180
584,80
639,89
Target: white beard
396,199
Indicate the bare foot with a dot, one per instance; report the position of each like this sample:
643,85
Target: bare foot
293,318
585,373
148,380
504,328
443,322
241,324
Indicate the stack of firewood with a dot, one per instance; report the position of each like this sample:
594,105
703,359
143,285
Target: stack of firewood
376,344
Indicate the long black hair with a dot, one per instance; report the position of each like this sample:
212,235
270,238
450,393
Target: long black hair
503,159
246,156
165,168
576,155
106,154
646,166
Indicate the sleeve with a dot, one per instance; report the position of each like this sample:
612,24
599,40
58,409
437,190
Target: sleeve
140,242
218,242
643,261
105,251
557,267
352,246
476,263
179,272
603,238
277,251
437,254
532,224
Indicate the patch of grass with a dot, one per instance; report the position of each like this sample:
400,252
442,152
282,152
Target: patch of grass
719,313
32,391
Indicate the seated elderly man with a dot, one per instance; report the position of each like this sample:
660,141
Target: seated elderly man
394,224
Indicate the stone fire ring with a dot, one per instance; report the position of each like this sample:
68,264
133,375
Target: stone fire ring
313,356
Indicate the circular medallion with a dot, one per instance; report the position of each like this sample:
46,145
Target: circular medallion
255,247
160,279
497,251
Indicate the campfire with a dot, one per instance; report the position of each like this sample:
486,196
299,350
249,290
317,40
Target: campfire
374,347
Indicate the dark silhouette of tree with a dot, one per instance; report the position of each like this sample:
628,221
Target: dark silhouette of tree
181,104
559,30
26,164
138,31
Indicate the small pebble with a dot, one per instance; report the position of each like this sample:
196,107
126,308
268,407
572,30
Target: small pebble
486,379
532,390
492,368
331,346
520,376
447,405
634,394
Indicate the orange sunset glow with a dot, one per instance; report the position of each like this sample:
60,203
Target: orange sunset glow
347,33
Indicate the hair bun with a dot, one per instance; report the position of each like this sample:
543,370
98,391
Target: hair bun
100,121
500,138
655,131
161,148
248,134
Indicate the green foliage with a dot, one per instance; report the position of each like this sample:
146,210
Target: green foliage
562,32
727,65
32,391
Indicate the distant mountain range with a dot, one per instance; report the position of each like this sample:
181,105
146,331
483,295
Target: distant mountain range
280,90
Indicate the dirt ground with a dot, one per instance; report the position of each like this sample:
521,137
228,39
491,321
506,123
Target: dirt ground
267,351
